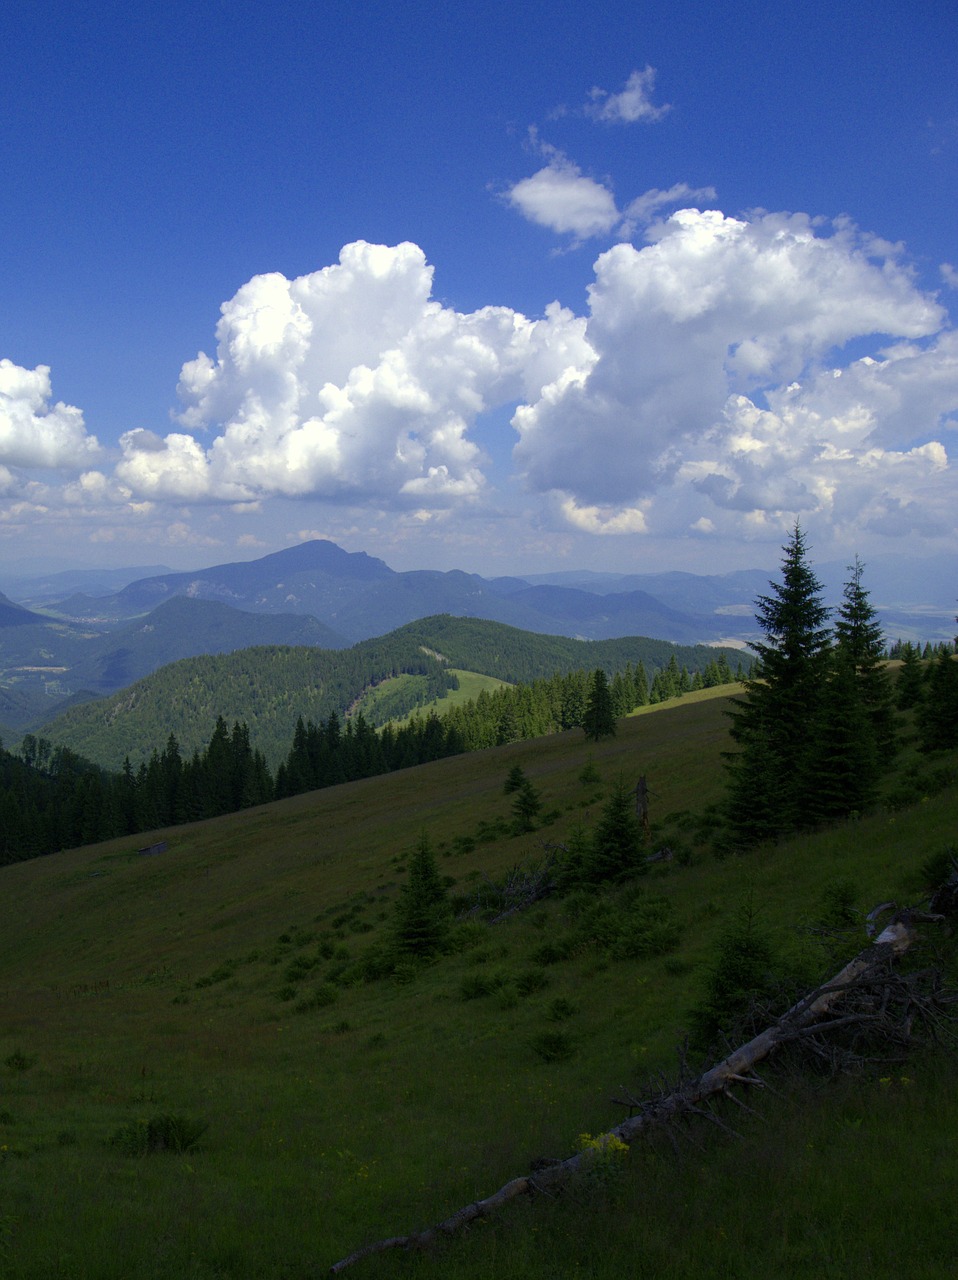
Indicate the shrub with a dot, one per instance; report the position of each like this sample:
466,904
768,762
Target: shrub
324,995
531,981
481,983
553,952
18,1061
746,970
553,1046
560,1009
605,1157
298,968
219,974
837,908
161,1132
939,868
650,929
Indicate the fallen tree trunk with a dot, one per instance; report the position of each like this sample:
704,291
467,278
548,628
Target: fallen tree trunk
805,1017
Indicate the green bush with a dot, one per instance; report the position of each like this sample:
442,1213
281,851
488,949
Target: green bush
481,983
18,1061
162,1132
553,1046
324,995
219,974
298,968
531,981
746,973
560,1009
553,952
650,929
937,869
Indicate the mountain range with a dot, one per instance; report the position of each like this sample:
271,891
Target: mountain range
78,634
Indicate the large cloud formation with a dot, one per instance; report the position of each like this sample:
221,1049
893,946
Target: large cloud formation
706,383
706,390
350,383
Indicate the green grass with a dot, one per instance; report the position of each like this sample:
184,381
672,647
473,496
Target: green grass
212,984
471,684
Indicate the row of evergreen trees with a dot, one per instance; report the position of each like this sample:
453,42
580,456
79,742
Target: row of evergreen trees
816,726
51,798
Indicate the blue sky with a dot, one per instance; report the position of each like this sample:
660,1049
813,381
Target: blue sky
503,288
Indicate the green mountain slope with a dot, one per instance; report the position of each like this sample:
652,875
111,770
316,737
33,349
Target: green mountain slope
215,985
269,688
494,649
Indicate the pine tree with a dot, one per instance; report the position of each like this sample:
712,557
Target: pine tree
525,808
909,687
515,779
599,719
615,849
641,686
772,724
841,776
422,910
938,715
859,641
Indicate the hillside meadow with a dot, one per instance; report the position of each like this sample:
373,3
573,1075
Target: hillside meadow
196,1082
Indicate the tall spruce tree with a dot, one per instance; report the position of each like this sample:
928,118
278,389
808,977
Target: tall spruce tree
859,642
938,714
841,774
773,724
599,719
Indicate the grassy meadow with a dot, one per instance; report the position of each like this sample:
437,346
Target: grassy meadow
214,988
471,684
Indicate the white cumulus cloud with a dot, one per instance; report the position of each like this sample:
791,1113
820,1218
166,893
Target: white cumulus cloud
691,396
705,394
348,384
562,198
35,433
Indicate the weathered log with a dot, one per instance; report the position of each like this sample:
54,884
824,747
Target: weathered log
803,1018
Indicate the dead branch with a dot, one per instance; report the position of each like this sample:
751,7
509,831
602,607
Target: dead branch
520,887
807,1018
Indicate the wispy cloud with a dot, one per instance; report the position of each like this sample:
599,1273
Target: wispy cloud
632,104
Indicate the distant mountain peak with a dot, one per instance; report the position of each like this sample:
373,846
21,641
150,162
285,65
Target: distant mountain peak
321,553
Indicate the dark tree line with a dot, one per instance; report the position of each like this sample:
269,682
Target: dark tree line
51,798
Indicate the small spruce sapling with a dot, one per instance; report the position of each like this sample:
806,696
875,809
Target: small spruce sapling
615,850
525,808
516,778
422,911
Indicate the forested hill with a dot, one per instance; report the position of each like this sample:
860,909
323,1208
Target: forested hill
270,688
518,657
